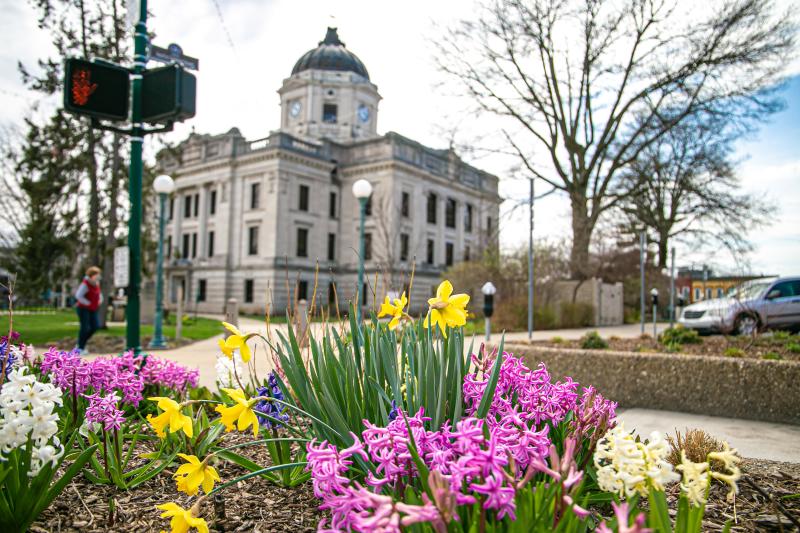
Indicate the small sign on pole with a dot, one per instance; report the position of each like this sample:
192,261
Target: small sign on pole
121,264
173,54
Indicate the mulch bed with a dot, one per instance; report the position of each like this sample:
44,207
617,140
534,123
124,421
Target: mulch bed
755,348
259,506
107,344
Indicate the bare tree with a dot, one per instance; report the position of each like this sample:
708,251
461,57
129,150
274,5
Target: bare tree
583,87
684,186
386,250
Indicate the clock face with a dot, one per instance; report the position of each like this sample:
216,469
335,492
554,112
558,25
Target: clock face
363,113
294,108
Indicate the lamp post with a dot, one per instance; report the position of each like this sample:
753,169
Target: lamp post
488,291
362,189
163,185
654,299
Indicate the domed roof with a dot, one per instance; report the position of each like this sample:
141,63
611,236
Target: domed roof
331,55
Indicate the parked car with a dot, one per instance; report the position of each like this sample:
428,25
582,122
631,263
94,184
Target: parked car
758,304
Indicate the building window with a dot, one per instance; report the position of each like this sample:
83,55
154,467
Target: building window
329,113
255,195
210,244
196,205
429,254
185,249
405,204
364,294
448,254
169,246
708,293
252,240
302,242
302,203
489,226
248,291
212,202
331,247
368,206
367,246
194,245
466,253
302,290
187,206
468,218
332,205
331,293
720,292
432,208
686,292
171,208
404,247
697,293
450,213
201,290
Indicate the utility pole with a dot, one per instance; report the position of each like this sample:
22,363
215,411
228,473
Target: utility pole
642,244
530,266
132,310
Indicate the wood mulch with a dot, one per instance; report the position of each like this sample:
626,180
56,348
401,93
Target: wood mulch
761,347
108,344
764,502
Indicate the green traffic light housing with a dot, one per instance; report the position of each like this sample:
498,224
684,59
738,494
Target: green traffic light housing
98,89
168,94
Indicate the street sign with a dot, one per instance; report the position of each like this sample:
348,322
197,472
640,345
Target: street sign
96,89
168,94
173,54
122,258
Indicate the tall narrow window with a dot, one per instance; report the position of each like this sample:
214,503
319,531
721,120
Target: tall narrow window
450,213
302,242
329,112
187,206
168,251
196,205
332,205
194,245
466,253
212,202
185,248
210,244
468,218
367,246
364,289
368,206
171,208
489,226
255,195
432,208
448,254
405,205
331,247
429,252
302,203
201,290
248,291
252,240
331,293
302,290
404,247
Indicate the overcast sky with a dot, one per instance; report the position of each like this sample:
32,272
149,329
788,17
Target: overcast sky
247,47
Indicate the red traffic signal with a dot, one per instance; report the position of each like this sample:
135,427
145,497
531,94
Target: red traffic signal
96,89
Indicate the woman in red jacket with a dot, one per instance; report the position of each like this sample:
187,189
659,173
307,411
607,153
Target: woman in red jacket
89,299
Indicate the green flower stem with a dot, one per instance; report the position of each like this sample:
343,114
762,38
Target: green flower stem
254,474
262,441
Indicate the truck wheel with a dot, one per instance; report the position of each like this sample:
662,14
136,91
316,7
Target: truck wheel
746,325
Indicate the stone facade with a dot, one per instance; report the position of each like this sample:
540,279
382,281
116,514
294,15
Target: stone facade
268,220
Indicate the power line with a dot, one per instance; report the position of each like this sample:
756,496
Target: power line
224,26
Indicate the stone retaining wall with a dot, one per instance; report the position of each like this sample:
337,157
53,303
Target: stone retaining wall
719,386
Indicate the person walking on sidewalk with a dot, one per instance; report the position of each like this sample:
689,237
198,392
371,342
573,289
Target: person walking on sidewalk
89,299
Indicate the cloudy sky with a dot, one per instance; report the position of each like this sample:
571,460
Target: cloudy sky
247,47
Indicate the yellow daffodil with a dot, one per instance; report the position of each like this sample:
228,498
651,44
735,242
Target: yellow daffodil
236,341
394,310
228,352
194,474
171,417
241,412
447,309
730,461
182,519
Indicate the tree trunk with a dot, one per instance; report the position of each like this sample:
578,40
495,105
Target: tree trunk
663,250
582,227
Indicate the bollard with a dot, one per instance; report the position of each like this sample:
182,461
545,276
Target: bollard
231,314
301,321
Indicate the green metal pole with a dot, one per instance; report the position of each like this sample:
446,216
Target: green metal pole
135,182
158,341
361,251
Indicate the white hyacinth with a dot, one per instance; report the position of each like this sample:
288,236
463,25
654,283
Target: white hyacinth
624,466
226,367
26,407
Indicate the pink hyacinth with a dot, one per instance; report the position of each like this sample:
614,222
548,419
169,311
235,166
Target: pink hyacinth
621,511
103,410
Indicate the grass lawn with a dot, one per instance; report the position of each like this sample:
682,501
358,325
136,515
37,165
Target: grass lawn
41,329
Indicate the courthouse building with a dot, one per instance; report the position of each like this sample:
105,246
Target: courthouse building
266,221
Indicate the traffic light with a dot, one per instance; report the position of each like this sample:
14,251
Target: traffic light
96,89
168,94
